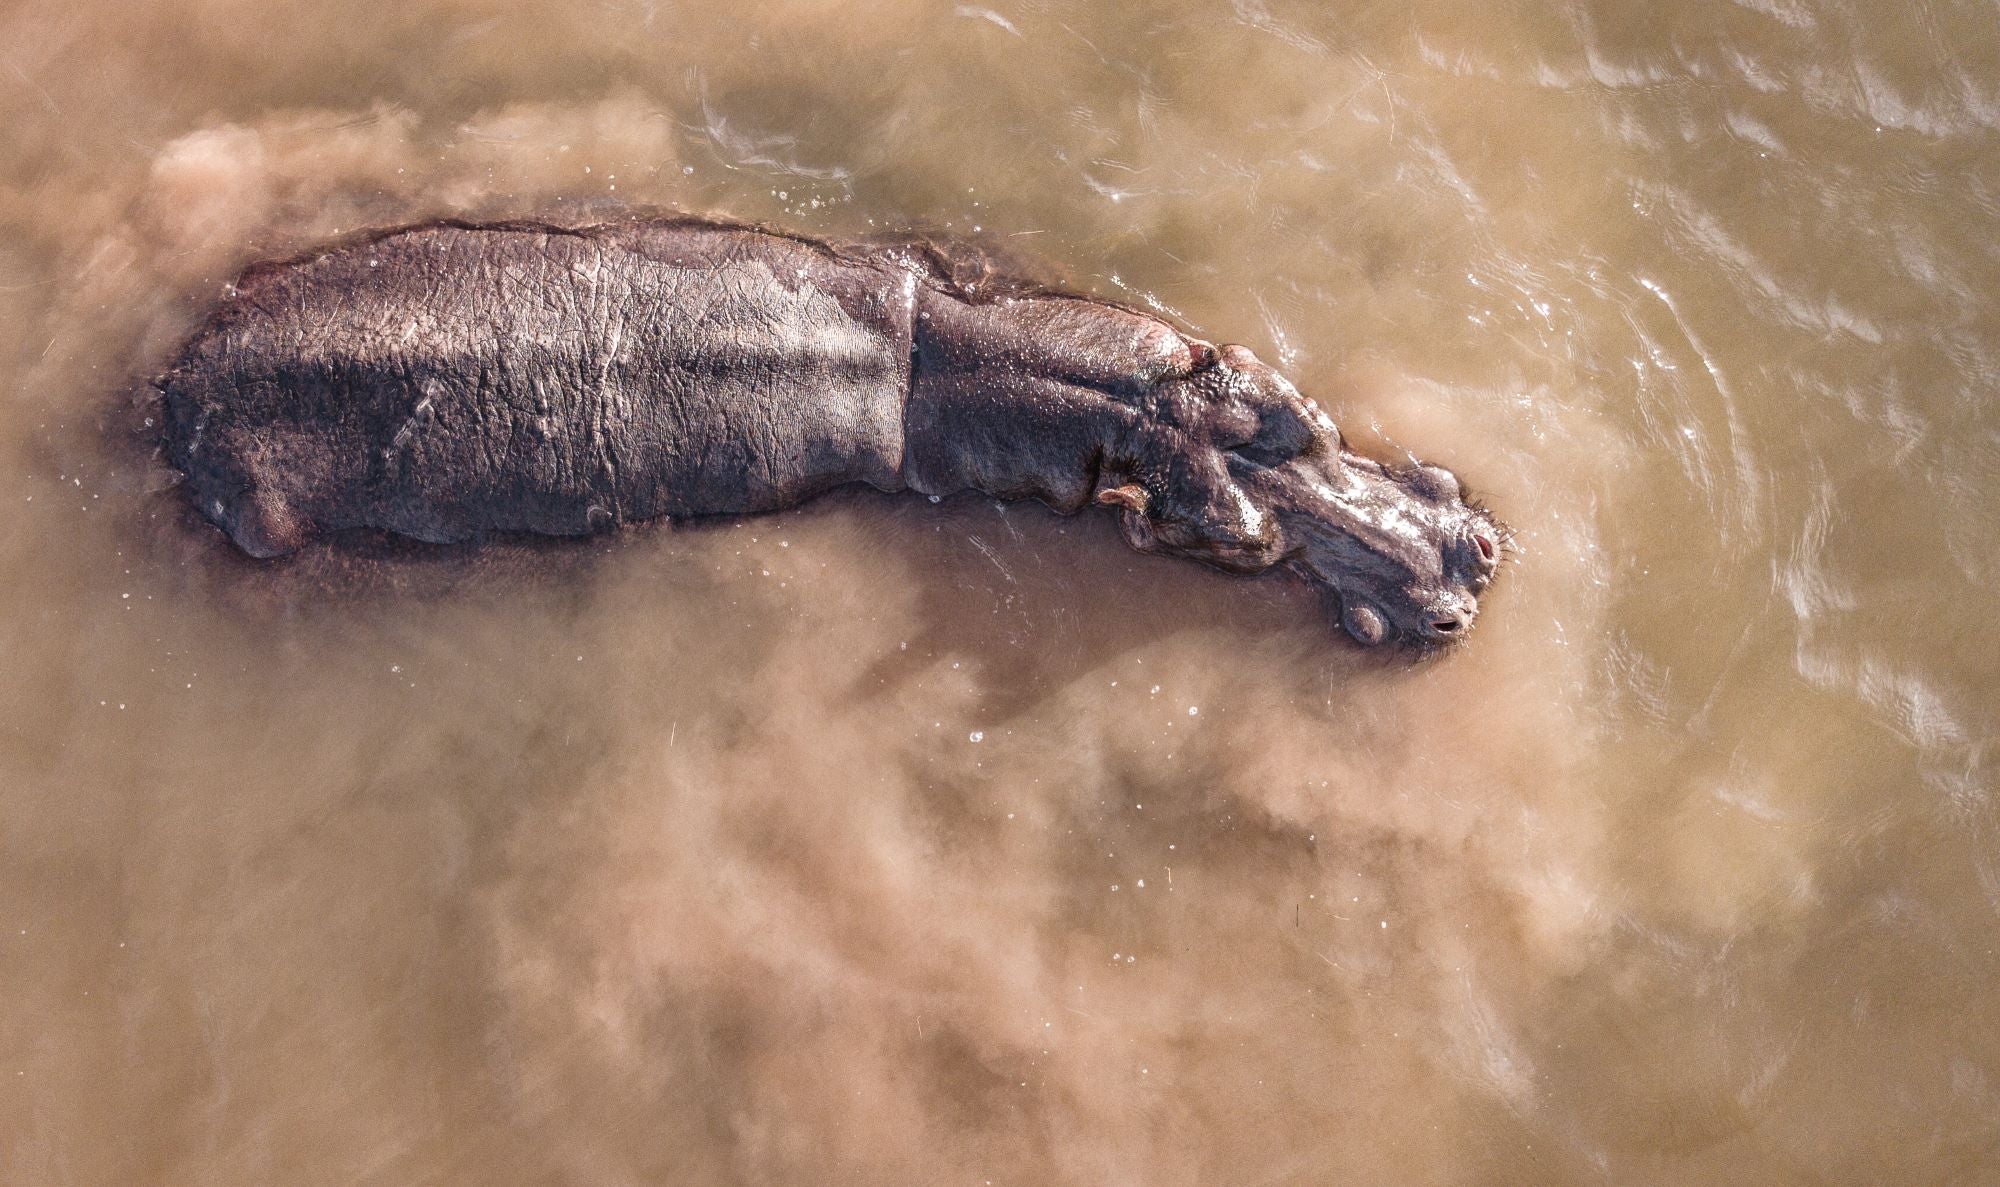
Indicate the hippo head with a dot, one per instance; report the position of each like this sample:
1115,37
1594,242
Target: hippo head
1231,466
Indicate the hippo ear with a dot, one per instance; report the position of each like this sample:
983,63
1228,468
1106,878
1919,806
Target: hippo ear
1138,532
1131,496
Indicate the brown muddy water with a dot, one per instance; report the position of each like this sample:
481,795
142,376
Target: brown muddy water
884,842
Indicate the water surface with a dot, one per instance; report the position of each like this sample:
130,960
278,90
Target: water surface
885,842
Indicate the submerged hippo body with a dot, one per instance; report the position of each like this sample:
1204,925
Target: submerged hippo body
448,380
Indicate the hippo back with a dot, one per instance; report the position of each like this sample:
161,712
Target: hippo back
443,380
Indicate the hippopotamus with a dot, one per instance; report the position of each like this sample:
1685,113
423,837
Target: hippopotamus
451,379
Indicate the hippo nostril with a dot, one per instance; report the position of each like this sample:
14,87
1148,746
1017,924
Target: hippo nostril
1452,623
1485,543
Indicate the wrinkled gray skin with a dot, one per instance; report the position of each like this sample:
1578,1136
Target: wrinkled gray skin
448,380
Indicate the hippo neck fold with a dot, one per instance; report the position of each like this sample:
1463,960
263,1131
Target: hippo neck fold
1020,398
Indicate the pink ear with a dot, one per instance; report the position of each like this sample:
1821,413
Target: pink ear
1131,496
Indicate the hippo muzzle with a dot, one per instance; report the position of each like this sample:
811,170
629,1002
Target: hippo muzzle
1263,479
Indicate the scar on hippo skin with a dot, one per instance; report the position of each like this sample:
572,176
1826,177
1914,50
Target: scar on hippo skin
449,380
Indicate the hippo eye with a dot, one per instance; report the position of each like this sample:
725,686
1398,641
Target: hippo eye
1281,435
1434,482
